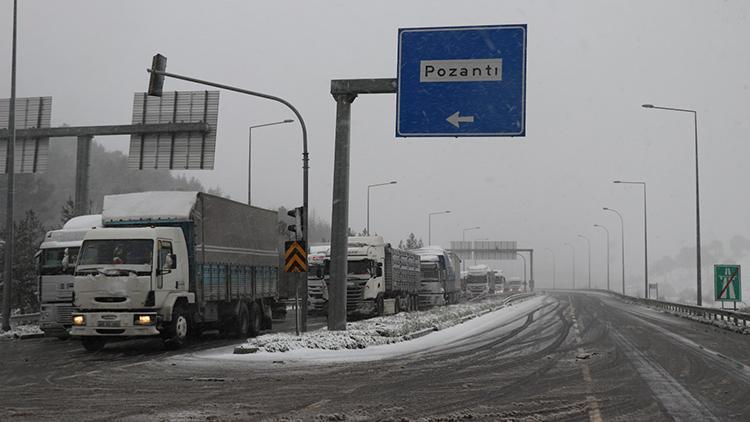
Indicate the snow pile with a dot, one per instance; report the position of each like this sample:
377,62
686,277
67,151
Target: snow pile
727,325
20,331
375,331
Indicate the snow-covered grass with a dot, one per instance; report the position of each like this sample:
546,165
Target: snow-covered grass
21,330
375,331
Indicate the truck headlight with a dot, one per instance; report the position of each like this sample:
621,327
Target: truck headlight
79,320
144,319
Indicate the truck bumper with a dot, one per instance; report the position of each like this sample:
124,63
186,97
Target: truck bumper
114,324
431,299
54,319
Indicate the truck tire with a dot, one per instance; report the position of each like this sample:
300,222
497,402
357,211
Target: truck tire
242,322
256,317
397,305
379,305
93,344
267,321
178,330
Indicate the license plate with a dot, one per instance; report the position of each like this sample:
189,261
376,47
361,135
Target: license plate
108,323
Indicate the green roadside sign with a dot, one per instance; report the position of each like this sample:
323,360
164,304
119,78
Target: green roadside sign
727,287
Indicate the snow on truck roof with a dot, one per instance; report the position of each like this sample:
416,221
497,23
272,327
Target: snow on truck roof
157,205
83,222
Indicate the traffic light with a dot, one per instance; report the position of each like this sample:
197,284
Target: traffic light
156,82
298,226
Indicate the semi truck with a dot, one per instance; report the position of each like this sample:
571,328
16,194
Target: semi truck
514,285
478,280
172,264
56,260
441,277
376,271
317,279
498,283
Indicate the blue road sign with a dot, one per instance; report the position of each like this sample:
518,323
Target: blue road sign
462,81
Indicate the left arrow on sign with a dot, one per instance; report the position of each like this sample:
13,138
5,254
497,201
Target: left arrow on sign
456,119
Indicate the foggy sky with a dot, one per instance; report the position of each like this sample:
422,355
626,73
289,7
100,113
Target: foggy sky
591,64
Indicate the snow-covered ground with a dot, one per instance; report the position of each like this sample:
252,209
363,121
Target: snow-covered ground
379,338
21,330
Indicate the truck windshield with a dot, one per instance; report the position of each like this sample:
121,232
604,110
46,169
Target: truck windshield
50,261
359,267
476,279
117,252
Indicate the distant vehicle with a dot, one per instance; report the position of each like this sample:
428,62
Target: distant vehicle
377,271
514,285
171,264
317,279
56,261
441,277
498,281
478,280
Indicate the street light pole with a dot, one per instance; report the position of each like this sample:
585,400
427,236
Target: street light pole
554,270
463,239
699,300
393,182
645,232
250,151
573,249
524,269
429,225
588,242
607,232
622,246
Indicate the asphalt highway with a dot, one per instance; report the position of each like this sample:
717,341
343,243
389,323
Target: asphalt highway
572,356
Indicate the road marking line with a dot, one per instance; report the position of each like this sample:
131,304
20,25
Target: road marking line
595,414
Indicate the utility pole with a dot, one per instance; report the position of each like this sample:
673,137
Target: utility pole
10,170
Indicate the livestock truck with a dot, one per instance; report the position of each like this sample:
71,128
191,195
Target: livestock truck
478,280
377,271
317,279
171,264
56,260
441,277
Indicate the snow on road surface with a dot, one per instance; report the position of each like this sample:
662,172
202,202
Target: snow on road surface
511,315
20,331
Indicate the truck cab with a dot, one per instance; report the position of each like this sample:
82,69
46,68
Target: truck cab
126,280
478,280
317,279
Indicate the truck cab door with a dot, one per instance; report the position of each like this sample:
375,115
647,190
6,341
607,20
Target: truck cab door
166,276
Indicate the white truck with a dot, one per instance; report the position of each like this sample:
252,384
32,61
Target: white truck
478,280
514,285
441,277
317,279
171,264
376,272
56,260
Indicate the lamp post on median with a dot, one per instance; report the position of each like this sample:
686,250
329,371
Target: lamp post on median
607,232
588,242
524,270
429,225
463,239
392,182
554,270
622,246
573,250
250,154
699,300
645,233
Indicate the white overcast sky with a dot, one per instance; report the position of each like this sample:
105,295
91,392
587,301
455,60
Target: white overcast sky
591,64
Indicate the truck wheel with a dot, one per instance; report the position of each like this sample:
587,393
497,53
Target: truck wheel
380,305
178,330
267,321
397,305
242,322
93,344
255,320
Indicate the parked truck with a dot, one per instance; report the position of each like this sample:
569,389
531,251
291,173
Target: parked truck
376,272
317,279
441,277
56,260
172,264
478,280
498,281
514,285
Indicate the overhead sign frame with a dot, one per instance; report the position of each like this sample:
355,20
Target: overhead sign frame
461,81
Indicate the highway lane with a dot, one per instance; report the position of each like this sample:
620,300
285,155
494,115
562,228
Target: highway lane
571,356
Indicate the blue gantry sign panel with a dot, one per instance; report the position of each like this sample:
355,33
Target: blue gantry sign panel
462,81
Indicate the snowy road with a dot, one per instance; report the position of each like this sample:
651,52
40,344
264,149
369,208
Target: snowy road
563,357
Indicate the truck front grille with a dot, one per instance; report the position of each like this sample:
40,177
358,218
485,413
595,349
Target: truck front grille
354,295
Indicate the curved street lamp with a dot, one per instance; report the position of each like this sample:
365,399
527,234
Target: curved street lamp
606,230
429,224
392,182
250,153
645,232
622,246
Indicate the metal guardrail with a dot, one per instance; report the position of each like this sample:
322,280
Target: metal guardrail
737,318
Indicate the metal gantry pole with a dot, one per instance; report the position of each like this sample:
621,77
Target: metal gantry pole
10,169
606,231
699,284
588,243
524,269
